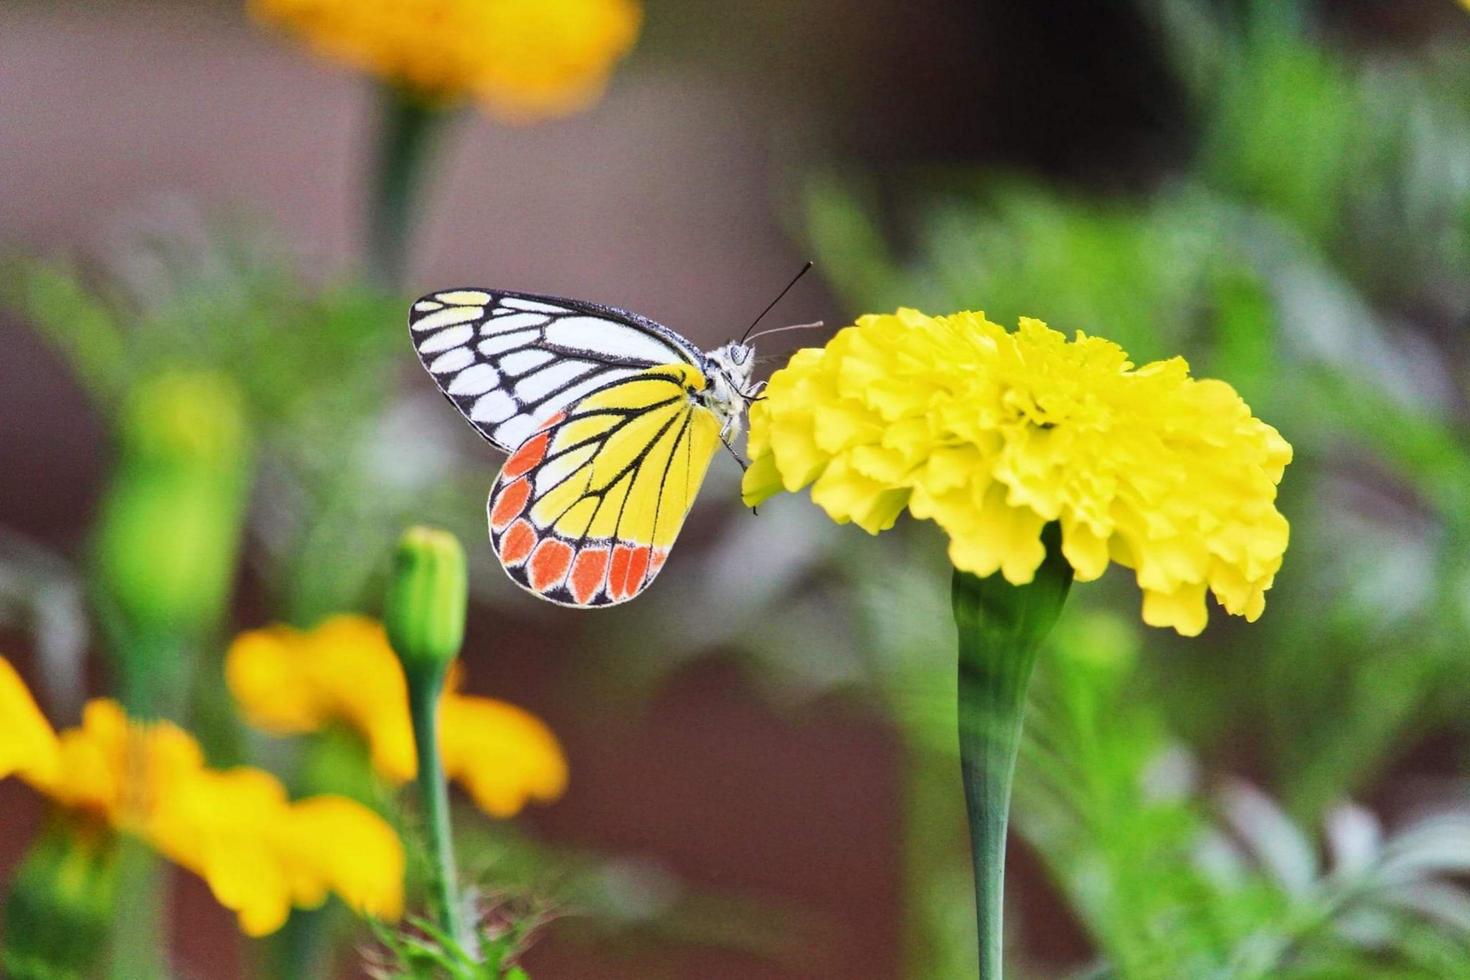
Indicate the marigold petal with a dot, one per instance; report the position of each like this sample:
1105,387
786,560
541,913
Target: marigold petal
1085,551
28,745
1183,609
1003,538
761,482
287,681
270,683
846,495
504,757
352,851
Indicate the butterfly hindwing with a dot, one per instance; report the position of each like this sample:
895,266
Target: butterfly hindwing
509,361
584,512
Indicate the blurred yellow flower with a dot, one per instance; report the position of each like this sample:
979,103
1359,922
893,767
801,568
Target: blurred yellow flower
27,743
521,59
259,853
289,681
502,755
263,854
993,434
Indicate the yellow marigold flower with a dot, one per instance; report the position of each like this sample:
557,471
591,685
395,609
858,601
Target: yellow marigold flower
27,743
289,681
260,853
993,434
521,59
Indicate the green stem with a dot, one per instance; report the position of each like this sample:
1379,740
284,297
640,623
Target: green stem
152,672
1000,627
405,138
424,688
140,937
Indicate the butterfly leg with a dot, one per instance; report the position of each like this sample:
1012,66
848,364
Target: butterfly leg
743,464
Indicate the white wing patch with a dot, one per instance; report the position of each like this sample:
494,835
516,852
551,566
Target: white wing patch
447,338
452,360
525,361
474,380
494,407
535,387
523,303
591,333
447,317
510,361
502,342
516,321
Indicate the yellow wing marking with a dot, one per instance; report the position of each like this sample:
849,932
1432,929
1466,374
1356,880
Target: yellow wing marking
628,460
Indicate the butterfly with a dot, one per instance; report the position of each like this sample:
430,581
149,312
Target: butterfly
610,421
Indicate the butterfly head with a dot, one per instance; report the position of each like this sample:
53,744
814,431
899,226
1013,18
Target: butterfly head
729,369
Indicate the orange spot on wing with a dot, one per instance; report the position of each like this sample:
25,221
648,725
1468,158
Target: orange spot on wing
533,450
637,569
517,543
549,564
509,503
588,572
656,560
617,580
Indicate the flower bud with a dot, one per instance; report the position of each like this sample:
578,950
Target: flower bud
427,595
169,529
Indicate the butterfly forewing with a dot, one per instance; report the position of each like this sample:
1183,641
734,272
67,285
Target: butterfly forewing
510,361
585,509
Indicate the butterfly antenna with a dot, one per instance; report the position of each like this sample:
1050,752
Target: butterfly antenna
795,326
794,280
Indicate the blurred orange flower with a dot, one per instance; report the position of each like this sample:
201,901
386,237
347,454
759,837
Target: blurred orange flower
289,682
520,59
259,853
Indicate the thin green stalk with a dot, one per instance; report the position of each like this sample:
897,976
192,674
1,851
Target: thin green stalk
152,673
424,688
301,949
1000,628
406,132
139,928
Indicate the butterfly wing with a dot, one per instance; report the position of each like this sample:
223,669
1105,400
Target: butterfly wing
585,510
509,361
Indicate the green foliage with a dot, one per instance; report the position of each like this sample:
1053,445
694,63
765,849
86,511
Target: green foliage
1311,252
1171,881
58,911
602,898
424,952
1285,127
314,367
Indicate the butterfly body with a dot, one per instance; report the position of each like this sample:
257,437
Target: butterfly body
610,421
728,371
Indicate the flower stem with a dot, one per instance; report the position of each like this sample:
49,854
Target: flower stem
1000,627
140,938
424,687
405,138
